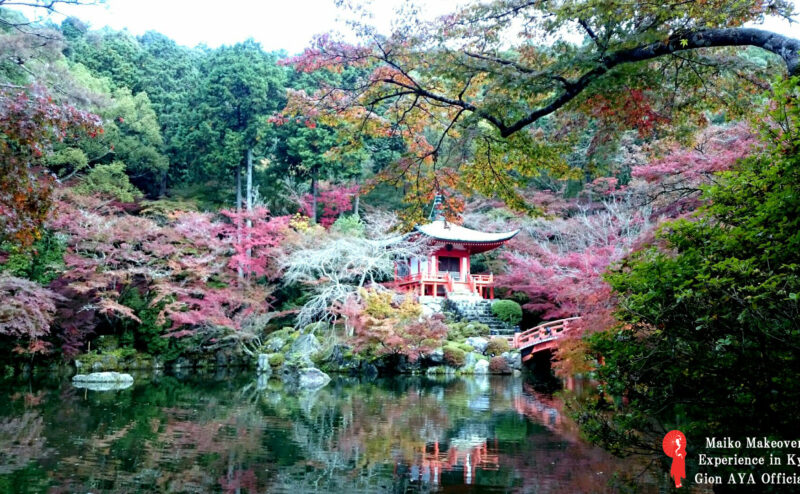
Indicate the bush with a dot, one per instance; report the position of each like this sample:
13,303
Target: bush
508,311
497,346
350,225
454,356
460,331
276,360
498,365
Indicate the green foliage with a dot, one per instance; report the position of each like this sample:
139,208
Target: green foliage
42,262
67,160
114,359
454,356
276,359
460,331
147,336
109,180
508,311
497,346
712,315
378,304
240,88
164,208
349,225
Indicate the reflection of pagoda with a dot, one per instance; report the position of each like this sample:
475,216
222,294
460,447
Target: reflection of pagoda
469,454
447,271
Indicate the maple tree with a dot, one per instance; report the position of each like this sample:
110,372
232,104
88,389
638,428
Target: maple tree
186,269
482,97
335,201
30,123
383,328
27,312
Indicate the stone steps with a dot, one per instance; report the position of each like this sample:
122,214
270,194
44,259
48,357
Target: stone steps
480,311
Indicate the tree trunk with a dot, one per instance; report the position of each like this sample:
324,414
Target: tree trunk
162,189
249,198
249,180
314,196
239,211
355,206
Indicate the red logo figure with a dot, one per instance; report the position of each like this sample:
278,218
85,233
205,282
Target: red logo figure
674,445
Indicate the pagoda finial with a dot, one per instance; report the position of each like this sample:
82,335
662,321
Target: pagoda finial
437,212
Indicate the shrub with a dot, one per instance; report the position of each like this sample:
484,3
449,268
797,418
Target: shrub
497,346
276,360
508,311
498,365
454,356
350,225
460,331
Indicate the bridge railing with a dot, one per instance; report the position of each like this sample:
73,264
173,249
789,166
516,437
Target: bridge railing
547,331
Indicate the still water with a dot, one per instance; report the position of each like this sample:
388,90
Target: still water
233,434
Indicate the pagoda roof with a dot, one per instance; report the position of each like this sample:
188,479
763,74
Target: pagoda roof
445,231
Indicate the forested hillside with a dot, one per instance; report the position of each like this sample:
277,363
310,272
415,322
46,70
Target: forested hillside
181,200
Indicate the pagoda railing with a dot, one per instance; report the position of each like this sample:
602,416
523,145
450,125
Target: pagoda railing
483,279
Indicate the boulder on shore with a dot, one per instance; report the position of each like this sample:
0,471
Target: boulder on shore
482,367
478,343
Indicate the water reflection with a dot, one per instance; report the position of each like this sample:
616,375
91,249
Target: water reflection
237,435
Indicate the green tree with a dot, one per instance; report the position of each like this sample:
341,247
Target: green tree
711,313
241,87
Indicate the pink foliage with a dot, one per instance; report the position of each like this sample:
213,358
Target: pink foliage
717,149
334,200
328,53
188,267
394,334
26,312
259,236
559,264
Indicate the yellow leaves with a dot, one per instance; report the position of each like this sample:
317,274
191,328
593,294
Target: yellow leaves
300,223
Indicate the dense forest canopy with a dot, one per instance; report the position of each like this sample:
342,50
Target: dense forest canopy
183,200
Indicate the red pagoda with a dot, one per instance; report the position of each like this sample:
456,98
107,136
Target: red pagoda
447,271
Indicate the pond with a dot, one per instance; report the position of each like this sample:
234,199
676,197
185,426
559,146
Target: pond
230,433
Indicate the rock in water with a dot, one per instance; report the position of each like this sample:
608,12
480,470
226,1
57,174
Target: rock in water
103,381
312,378
103,377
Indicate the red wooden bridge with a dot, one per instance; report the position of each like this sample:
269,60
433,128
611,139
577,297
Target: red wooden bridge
542,337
